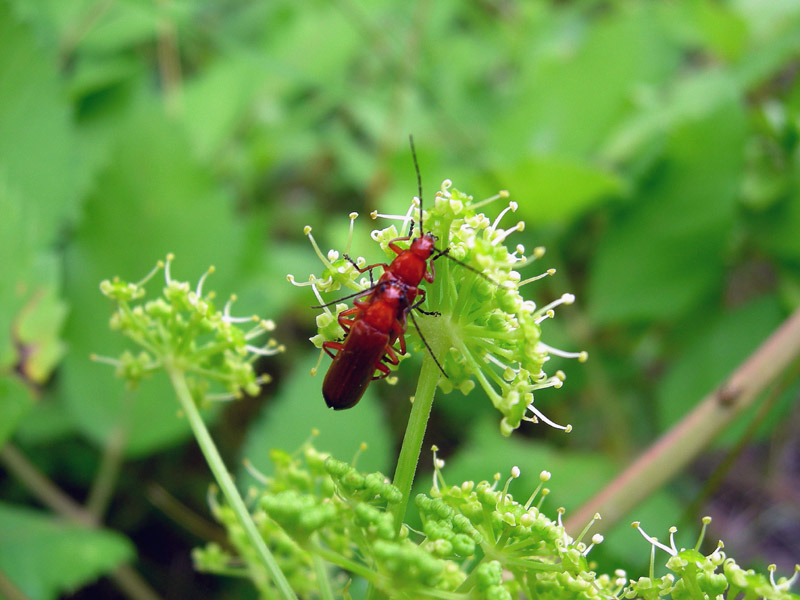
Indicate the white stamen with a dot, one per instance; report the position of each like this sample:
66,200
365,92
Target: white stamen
501,238
512,206
255,473
202,280
502,194
538,415
167,276
153,271
317,251
565,299
226,311
672,531
547,273
264,351
105,360
582,356
491,358
653,541
353,217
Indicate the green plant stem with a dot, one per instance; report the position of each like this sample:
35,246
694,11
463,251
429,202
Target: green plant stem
225,481
415,432
323,584
110,463
681,444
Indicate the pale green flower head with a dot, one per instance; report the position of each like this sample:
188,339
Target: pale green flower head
183,328
487,333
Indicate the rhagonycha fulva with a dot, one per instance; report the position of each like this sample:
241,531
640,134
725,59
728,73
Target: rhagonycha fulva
377,320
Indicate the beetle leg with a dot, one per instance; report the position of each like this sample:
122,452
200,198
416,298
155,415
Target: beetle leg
394,247
335,345
384,371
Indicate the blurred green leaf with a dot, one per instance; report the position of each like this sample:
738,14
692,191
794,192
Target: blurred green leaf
46,557
549,188
709,25
767,19
580,81
777,232
37,333
16,400
39,158
299,407
667,252
152,199
216,102
118,26
40,181
47,421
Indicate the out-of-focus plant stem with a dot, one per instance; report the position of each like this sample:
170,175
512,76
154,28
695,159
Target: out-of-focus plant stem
680,445
129,582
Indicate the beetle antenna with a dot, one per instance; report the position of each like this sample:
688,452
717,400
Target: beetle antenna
419,181
446,254
363,292
424,341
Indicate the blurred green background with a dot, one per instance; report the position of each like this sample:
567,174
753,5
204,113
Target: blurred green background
652,147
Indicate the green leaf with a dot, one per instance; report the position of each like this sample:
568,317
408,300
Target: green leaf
299,407
152,199
46,557
39,157
666,252
550,188
40,181
47,421
580,78
215,101
16,399
777,231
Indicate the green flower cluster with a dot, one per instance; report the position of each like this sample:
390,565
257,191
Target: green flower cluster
183,330
694,575
476,541
489,333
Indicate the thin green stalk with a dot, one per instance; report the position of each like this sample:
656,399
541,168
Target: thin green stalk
111,462
325,591
415,432
225,481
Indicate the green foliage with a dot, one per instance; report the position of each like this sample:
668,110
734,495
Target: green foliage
48,557
652,147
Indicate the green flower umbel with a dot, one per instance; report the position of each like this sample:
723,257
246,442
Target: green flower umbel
182,327
490,335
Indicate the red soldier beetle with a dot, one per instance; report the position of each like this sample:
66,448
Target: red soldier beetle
377,319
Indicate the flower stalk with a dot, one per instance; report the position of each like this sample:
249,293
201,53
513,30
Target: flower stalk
225,481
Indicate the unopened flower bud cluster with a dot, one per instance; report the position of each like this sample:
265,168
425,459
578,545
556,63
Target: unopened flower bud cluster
476,542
